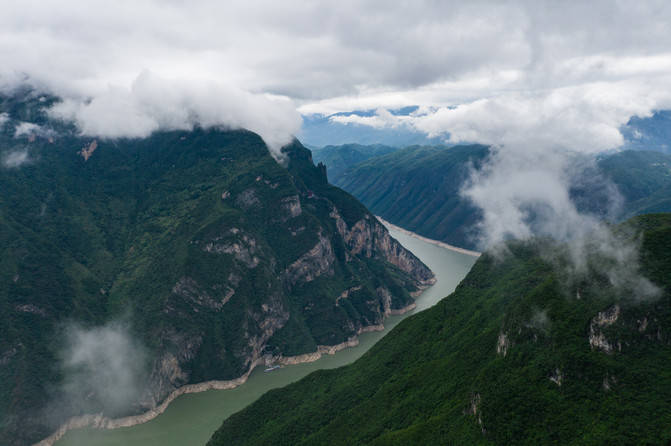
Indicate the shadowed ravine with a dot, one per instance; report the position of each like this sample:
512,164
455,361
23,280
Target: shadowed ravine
191,419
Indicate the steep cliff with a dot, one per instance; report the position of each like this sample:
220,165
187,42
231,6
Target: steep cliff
212,254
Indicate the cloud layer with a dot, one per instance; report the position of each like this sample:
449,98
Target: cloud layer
172,63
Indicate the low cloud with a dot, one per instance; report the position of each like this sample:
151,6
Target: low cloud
16,158
26,128
541,146
382,118
153,103
104,368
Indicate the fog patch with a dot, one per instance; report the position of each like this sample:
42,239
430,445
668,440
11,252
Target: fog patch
31,130
26,128
104,369
540,320
524,192
16,158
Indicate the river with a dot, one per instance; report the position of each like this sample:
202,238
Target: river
191,419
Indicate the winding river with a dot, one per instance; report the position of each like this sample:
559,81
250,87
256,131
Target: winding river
191,419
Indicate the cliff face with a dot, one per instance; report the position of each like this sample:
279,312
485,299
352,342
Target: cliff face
215,256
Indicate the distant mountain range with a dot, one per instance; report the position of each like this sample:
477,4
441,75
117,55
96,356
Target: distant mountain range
418,187
516,355
216,257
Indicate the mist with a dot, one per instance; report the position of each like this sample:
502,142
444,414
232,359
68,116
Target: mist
525,193
15,158
104,369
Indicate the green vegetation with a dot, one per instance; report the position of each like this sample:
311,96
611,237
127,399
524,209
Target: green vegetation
505,359
189,236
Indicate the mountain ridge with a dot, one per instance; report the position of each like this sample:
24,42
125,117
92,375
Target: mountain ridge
215,256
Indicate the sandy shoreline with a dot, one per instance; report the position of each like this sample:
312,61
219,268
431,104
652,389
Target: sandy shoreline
98,421
428,240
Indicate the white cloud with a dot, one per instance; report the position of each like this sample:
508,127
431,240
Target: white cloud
381,119
330,57
25,128
103,367
15,158
153,103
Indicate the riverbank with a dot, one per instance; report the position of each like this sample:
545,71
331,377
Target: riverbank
98,421
428,240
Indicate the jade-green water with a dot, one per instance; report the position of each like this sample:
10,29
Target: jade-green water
191,419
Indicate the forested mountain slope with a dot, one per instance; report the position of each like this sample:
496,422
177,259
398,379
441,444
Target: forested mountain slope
516,355
210,253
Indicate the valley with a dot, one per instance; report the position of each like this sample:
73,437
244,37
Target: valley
191,419
335,223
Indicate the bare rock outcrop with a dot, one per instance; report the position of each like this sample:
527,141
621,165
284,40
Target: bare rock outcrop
369,238
317,261
597,339
291,206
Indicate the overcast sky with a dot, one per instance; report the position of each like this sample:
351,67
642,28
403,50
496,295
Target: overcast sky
521,66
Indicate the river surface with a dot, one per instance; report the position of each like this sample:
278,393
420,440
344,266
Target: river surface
191,419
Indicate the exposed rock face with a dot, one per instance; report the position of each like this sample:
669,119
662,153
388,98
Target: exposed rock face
557,376
370,238
188,289
317,261
345,294
247,199
88,150
292,206
243,248
474,409
502,344
597,339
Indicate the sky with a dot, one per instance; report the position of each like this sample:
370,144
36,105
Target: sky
487,71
